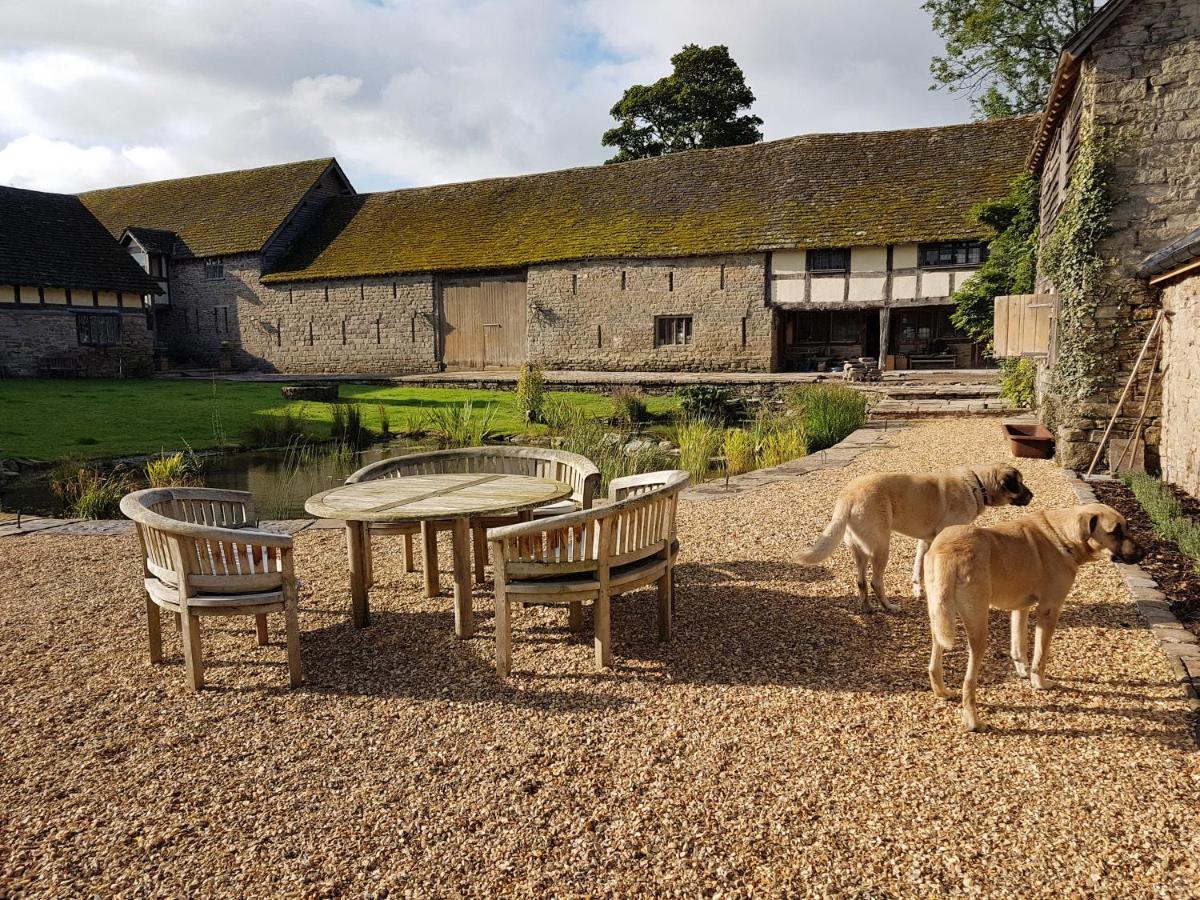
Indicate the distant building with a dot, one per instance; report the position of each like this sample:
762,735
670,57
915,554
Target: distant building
72,301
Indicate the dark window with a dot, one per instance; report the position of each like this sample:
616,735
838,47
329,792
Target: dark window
846,328
831,259
214,269
951,253
98,330
158,265
672,330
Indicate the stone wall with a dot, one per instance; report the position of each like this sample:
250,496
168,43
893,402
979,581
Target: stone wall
1141,80
28,337
601,314
1181,385
368,326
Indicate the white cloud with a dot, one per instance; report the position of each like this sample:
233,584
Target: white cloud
418,91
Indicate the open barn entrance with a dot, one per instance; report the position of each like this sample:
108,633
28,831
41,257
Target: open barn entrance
822,340
483,322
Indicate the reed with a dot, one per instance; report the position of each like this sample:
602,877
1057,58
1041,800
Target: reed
459,425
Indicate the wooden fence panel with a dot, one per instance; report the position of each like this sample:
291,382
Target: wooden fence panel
1022,325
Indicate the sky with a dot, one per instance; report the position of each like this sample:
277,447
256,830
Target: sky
411,92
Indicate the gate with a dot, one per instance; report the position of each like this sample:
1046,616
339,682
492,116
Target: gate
484,323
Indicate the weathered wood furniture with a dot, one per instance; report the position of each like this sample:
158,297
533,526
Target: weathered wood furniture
591,555
456,498
535,462
203,555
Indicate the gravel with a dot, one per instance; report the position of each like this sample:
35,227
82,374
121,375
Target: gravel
785,743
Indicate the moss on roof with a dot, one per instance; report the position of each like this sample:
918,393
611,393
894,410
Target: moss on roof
52,240
812,191
212,215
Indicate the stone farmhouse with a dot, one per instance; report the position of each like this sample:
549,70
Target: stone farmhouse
1130,78
72,301
791,254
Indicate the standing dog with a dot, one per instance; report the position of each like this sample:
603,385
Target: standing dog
870,508
1021,566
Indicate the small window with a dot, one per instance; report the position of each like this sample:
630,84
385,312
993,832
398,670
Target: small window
830,260
672,331
214,269
98,330
158,265
946,254
845,328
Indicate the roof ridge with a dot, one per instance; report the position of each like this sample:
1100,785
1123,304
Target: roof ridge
325,160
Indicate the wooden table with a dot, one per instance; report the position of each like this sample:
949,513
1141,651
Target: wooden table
427,499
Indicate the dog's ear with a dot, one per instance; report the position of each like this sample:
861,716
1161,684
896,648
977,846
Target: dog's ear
1095,520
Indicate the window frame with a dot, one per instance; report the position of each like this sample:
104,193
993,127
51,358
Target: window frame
85,329
927,247
214,268
675,330
811,255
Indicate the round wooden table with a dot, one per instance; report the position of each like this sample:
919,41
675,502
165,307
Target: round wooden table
428,498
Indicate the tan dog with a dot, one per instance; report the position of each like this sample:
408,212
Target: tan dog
1025,565
870,508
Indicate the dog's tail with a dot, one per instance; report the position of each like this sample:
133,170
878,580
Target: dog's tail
830,537
938,585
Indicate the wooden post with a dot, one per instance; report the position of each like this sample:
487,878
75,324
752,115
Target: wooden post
503,620
154,620
1131,444
464,616
429,558
1125,393
260,624
358,576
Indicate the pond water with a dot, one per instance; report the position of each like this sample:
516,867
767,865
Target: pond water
278,479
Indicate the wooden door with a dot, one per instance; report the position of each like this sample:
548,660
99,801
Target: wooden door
484,323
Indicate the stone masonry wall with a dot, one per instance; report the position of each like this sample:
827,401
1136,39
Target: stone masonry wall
1181,386
601,314
28,336
367,326
1143,79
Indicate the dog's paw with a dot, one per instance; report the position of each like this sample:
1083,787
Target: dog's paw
889,605
1042,682
1022,669
970,721
918,591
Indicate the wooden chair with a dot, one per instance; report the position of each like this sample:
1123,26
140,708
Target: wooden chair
539,462
591,555
203,555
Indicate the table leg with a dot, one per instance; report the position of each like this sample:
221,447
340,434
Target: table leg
429,558
464,615
357,549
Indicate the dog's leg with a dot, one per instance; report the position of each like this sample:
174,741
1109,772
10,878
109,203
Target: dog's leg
1046,622
918,579
879,561
860,563
935,672
975,620
1018,642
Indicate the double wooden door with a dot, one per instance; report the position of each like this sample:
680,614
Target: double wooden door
484,323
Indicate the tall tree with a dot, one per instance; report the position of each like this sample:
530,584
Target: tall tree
1003,52
697,105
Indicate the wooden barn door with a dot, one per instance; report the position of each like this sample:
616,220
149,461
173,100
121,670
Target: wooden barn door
484,323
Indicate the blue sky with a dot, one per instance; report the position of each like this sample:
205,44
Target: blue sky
409,92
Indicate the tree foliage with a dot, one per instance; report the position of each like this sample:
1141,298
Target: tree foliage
696,106
1003,52
1011,265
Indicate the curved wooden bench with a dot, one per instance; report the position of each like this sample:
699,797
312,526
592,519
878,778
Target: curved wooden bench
539,462
203,555
591,555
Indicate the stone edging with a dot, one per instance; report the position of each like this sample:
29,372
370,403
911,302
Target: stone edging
870,437
1179,645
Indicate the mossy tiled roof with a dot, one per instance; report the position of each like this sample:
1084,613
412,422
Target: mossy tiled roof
212,215
813,191
52,240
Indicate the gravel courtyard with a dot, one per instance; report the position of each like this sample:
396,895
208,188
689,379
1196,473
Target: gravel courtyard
784,743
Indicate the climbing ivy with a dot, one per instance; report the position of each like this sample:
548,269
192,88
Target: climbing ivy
1071,260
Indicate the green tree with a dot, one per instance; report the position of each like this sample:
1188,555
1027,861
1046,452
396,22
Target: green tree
1003,52
696,106
1011,265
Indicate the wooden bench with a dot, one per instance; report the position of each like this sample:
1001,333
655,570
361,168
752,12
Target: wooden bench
64,366
591,555
203,555
538,462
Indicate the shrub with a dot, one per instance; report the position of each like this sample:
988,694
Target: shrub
1017,377
783,444
385,421
699,441
590,437
457,425
173,470
741,451
559,415
1166,513
275,430
629,407
348,428
829,413
708,403
531,393
87,493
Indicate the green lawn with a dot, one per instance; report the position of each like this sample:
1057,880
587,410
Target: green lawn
51,418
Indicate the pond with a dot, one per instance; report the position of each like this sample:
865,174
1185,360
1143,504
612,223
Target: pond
280,480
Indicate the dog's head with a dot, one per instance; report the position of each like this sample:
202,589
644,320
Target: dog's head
1103,528
1003,485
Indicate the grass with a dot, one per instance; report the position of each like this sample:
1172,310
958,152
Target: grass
458,425
85,492
103,418
1165,512
172,470
829,412
699,441
584,433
